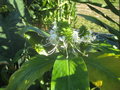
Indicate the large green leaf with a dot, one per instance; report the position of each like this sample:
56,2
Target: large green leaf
19,5
29,72
104,70
69,74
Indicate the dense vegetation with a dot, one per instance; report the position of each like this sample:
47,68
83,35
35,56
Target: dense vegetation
41,49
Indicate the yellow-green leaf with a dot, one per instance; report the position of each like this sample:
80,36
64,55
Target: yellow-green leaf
104,70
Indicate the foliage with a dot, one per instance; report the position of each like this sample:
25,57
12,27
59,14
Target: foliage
61,58
11,44
102,24
104,66
45,12
67,71
34,69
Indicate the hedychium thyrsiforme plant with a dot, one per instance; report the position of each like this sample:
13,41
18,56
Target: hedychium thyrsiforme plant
63,52
68,43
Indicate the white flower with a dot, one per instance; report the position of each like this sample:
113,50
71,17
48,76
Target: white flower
53,39
62,38
76,37
52,32
53,50
88,38
54,26
82,39
64,42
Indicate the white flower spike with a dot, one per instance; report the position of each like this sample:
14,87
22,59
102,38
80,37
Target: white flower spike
65,37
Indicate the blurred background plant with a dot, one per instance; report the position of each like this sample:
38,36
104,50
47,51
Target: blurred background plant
45,12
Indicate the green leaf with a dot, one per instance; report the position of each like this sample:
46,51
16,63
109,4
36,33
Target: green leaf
2,88
112,8
102,24
104,70
34,35
107,48
10,42
33,29
12,2
19,5
29,72
101,13
69,74
98,5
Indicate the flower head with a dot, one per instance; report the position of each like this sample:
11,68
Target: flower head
63,36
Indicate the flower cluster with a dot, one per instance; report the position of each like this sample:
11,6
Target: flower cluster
63,36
